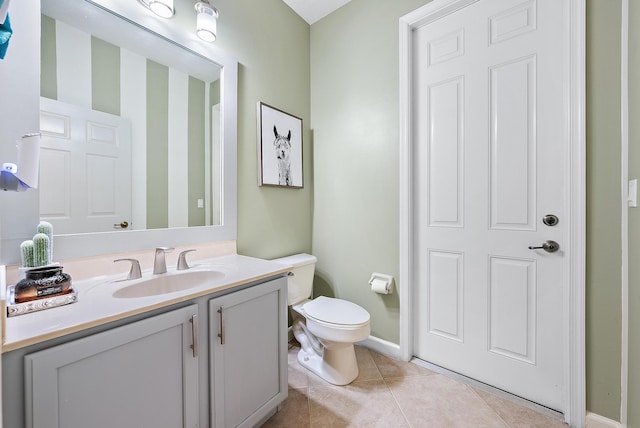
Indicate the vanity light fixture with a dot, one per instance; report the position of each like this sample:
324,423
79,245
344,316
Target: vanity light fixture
162,8
206,22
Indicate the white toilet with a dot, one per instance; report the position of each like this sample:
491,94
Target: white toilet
326,328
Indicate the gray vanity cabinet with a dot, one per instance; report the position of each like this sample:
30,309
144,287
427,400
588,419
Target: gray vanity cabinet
143,371
248,352
143,374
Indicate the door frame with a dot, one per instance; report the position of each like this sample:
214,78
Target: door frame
574,295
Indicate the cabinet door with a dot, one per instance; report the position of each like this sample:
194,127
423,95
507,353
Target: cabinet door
248,354
143,374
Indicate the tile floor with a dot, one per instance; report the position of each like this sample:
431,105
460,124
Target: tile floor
390,394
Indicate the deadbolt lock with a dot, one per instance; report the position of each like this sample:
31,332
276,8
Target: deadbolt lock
550,220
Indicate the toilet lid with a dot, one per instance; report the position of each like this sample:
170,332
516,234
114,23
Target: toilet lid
336,311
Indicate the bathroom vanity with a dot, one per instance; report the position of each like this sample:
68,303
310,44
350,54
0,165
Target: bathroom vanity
210,355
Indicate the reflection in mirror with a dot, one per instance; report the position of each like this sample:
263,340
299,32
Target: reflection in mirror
131,127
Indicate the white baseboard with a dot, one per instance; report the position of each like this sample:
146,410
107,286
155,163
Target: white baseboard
381,346
596,421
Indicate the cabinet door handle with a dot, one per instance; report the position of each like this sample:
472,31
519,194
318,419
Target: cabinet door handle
221,334
194,334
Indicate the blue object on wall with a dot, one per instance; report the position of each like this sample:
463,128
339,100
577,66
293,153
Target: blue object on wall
5,35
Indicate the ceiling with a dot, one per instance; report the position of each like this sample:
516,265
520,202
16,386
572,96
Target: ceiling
314,10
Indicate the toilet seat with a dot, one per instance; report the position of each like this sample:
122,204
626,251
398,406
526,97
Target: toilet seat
336,313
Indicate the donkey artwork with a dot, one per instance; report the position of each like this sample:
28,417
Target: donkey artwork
283,151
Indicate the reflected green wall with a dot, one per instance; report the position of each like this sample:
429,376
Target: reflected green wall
157,145
48,72
105,76
196,153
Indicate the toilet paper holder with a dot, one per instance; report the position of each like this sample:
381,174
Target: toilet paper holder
381,283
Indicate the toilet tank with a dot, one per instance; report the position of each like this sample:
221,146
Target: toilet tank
300,284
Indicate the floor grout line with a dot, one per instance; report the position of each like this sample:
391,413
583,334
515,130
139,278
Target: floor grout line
404,415
475,392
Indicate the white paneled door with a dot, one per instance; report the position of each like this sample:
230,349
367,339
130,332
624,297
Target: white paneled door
490,144
85,168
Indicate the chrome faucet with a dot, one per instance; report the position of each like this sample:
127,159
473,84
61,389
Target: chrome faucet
134,272
159,263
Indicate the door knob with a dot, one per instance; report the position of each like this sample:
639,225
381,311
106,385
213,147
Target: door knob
549,246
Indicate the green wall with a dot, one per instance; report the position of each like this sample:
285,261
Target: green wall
634,217
354,104
271,44
603,264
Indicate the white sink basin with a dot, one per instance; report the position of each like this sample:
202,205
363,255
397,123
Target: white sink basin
168,283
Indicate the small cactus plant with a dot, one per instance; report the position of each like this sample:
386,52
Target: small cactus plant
41,249
47,228
26,250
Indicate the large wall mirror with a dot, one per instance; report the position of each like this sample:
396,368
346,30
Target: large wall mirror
138,122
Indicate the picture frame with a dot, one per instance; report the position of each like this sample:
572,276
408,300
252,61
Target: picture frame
279,148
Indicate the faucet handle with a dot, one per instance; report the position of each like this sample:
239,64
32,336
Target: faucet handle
134,272
182,260
165,249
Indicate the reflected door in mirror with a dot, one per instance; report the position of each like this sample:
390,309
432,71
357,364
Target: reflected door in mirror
171,104
85,174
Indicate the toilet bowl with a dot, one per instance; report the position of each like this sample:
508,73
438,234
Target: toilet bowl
325,327
336,324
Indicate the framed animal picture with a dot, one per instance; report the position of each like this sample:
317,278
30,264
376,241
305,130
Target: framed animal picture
279,148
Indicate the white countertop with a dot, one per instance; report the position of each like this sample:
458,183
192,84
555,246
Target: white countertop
96,304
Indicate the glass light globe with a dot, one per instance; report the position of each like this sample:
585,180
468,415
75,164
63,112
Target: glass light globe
206,22
162,8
